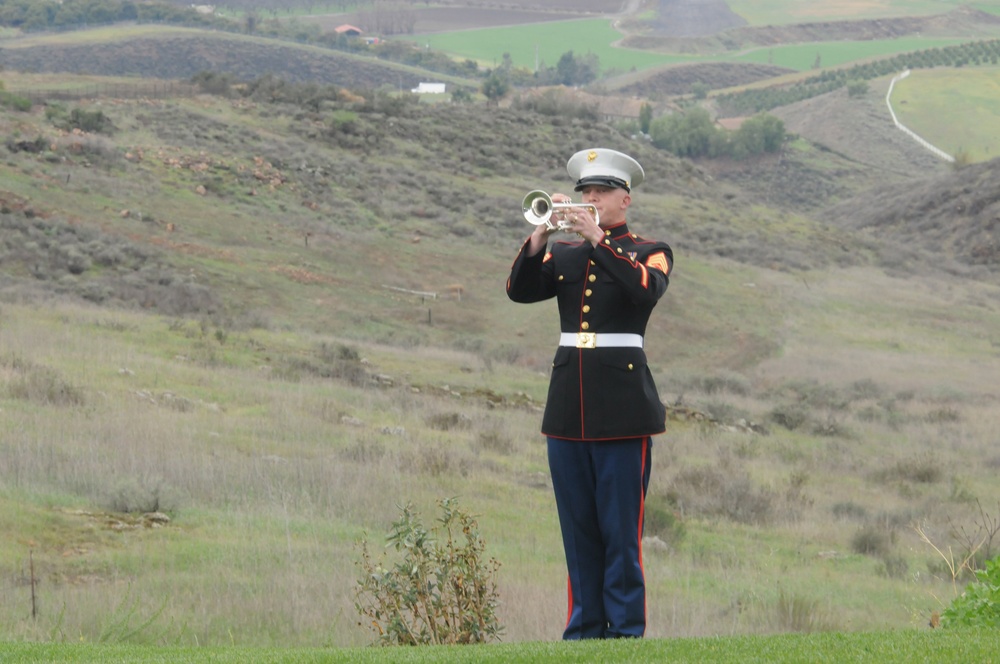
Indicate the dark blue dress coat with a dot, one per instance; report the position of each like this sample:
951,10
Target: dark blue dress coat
599,393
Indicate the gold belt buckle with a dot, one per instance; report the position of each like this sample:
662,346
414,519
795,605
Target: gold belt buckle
586,340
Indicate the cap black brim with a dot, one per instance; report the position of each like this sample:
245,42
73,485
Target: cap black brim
613,183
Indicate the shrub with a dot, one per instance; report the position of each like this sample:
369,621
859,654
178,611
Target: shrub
857,88
865,389
979,604
944,415
213,83
894,566
790,416
724,491
662,522
725,412
40,384
451,421
78,118
142,495
327,361
831,427
16,102
443,589
796,613
924,469
872,540
494,441
722,382
849,510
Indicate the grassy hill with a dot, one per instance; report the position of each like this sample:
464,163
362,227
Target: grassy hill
973,127
221,309
238,331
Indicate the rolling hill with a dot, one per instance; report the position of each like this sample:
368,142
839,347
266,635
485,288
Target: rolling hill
272,311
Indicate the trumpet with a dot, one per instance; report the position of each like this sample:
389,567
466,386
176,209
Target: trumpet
538,209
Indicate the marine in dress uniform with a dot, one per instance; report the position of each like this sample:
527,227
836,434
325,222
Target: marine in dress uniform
602,406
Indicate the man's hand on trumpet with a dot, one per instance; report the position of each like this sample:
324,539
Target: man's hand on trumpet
578,220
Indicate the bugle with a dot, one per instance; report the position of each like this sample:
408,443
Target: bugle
538,208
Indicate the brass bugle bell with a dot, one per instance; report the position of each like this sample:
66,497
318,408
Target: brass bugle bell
538,209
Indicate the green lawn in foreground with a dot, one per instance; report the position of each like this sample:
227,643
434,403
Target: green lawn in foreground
899,646
969,98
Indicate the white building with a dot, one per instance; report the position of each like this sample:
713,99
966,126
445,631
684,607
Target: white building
429,88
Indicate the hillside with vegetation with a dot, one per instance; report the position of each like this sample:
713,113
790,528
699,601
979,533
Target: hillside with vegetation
274,316
243,325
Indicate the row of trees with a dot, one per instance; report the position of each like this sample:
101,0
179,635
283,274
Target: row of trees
694,134
36,15
571,70
985,52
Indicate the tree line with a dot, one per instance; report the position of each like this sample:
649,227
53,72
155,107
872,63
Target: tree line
36,15
695,134
746,102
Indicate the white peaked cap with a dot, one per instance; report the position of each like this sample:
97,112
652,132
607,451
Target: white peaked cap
608,168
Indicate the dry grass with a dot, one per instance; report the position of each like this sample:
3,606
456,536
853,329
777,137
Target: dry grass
274,446
270,479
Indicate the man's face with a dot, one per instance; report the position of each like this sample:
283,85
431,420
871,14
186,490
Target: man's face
611,203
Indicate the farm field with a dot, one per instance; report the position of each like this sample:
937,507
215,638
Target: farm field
805,57
782,12
543,44
957,110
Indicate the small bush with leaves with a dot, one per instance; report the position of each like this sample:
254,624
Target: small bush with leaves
443,589
873,540
979,605
39,384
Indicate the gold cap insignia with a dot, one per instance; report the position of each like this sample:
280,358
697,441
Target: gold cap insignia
591,156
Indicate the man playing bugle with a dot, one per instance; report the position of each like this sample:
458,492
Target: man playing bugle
602,406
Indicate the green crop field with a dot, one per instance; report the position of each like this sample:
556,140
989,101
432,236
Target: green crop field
544,43
957,110
539,45
803,57
785,12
